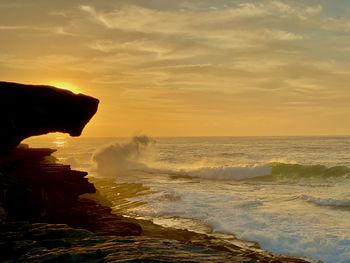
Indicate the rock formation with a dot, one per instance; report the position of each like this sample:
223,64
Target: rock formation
34,188
42,242
28,110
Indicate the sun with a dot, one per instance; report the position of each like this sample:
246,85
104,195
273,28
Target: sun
65,85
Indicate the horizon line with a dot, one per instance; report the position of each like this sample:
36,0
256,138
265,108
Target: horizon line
189,136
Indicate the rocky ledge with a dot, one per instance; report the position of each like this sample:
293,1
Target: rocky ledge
59,243
28,110
33,187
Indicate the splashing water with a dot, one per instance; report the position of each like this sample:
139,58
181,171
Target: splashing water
121,159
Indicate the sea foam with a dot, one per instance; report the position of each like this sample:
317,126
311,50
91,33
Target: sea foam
326,201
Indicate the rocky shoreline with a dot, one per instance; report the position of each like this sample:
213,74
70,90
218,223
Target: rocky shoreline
44,219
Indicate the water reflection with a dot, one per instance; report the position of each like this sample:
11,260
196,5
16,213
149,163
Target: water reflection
59,141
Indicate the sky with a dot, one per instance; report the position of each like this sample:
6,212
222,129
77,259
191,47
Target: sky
189,68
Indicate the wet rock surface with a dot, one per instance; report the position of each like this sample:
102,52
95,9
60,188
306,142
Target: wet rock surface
24,242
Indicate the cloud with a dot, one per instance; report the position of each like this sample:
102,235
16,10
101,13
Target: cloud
52,30
143,45
211,24
336,25
282,35
196,58
11,5
2,27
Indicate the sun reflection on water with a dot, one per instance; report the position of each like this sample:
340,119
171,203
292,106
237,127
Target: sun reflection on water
59,141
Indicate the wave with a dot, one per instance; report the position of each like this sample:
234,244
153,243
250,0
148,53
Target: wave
120,159
273,172
326,201
124,159
298,172
230,173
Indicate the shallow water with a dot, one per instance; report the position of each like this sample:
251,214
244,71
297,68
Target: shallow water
291,194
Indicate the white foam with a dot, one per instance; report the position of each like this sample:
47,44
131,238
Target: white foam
325,201
120,159
215,173
229,173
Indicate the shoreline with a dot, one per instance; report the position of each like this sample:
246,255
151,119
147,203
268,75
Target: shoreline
45,216
224,242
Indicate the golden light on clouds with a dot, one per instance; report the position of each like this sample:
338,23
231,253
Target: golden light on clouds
178,68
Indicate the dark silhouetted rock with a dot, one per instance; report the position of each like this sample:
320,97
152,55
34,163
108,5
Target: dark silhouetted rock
34,188
23,242
28,110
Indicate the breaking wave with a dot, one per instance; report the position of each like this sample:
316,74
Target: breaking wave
228,173
298,172
121,159
273,172
137,155
326,201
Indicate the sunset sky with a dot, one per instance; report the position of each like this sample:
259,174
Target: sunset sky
189,68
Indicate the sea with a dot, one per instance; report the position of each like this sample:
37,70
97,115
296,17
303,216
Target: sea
289,194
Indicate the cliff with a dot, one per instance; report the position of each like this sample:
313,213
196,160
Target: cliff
28,110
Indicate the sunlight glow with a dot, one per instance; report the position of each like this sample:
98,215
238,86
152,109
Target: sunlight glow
65,85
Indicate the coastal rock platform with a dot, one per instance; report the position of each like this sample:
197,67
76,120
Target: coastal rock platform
24,242
44,218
